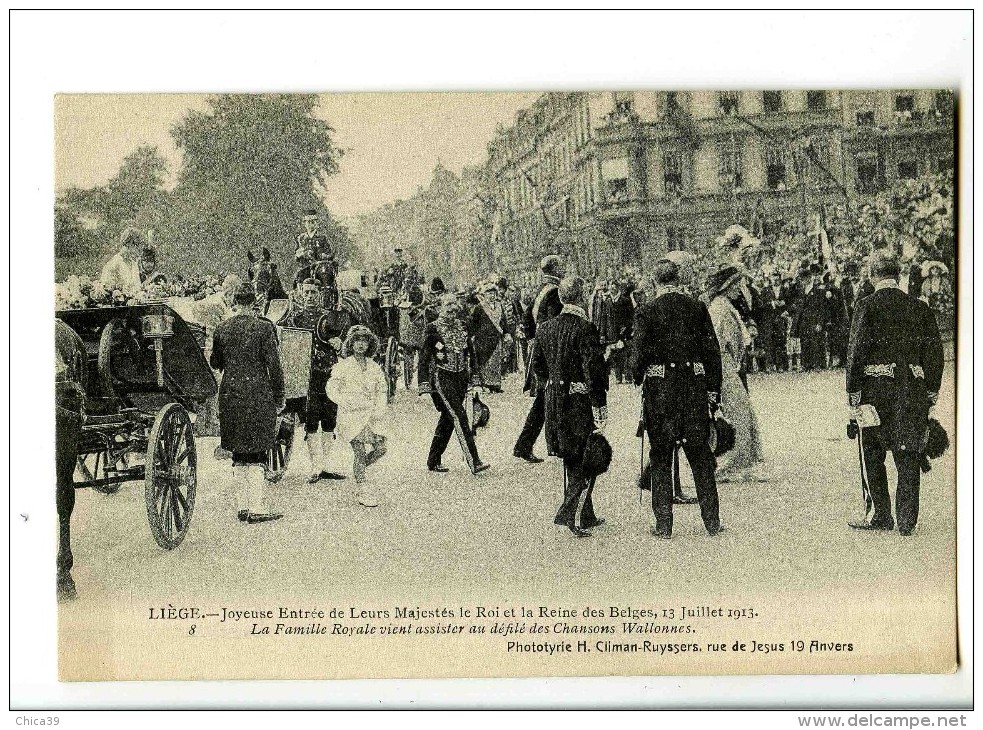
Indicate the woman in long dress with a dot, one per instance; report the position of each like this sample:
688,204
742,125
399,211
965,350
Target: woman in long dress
723,287
359,387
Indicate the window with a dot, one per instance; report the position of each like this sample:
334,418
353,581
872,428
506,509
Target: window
868,175
816,101
907,169
730,169
776,169
673,104
617,190
674,239
772,101
624,104
943,104
865,119
904,107
673,173
729,102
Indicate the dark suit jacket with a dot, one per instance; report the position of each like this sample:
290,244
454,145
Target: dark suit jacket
670,335
245,349
544,306
568,351
895,362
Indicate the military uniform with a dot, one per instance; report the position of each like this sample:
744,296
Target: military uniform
569,361
317,261
445,365
894,363
324,325
676,359
544,307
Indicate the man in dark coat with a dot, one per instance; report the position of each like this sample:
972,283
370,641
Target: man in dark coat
809,319
544,307
893,374
772,327
622,312
676,359
328,329
445,363
569,360
251,395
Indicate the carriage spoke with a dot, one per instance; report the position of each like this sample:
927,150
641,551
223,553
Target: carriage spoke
176,511
182,500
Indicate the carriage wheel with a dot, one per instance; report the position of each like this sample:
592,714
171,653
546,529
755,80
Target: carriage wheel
171,476
391,365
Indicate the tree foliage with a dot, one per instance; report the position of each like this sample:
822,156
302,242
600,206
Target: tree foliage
251,165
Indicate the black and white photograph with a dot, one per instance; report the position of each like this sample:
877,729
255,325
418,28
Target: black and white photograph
622,381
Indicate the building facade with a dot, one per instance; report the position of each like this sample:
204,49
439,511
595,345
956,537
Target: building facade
616,178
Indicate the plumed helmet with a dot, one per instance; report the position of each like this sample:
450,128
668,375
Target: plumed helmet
597,455
936,439
480,414
722,436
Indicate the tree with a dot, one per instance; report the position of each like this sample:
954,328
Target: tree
251,165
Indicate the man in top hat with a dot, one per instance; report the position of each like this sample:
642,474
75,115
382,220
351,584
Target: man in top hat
893,374
315,257
676,359
569,362
544,307
809,318
328,328
395,273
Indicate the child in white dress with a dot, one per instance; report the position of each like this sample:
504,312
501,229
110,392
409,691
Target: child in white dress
358,386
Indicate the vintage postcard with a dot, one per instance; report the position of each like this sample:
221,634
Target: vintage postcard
421,385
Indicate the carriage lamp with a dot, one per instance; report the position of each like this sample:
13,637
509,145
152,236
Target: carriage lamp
157,328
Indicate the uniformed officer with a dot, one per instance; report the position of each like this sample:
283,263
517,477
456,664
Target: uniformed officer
544,307
893,374
569,362
307,311
445,363
315,257
675,357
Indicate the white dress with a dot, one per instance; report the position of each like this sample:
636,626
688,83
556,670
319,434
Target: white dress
735,402
118,273
361,396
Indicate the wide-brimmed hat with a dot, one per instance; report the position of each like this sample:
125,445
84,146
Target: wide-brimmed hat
737,237
929,265
360,332
719,280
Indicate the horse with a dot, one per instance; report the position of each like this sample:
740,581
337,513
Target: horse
70,382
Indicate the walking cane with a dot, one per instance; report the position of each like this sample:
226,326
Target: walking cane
641,467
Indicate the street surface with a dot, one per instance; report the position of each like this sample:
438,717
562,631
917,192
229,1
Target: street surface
446,531
437,540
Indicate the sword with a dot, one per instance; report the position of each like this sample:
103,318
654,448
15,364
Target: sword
864,485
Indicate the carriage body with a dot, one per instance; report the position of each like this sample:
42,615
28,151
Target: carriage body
146,373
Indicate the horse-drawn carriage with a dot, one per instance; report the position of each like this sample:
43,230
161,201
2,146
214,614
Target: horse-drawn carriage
145,373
